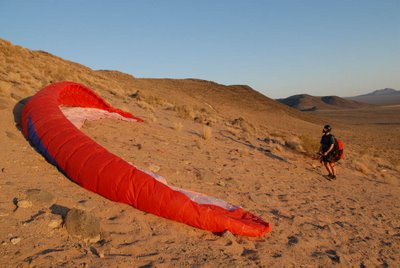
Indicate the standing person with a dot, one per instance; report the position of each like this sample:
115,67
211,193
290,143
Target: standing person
326,151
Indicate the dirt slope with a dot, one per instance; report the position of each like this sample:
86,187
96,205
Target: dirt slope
225,141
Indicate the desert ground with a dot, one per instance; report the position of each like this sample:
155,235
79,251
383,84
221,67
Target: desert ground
229,142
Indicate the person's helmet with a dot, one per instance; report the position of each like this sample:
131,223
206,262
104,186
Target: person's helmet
327,128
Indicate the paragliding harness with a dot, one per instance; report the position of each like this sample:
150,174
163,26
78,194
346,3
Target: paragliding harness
338,150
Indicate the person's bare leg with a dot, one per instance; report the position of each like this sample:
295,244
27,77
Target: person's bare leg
333,168
328,168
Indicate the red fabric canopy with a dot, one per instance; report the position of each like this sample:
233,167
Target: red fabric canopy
96,169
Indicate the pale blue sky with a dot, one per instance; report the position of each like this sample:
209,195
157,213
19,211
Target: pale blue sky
280,48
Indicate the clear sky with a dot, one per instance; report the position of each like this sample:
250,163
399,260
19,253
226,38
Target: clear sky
280,48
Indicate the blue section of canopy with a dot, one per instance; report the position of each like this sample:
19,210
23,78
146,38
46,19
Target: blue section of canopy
35,141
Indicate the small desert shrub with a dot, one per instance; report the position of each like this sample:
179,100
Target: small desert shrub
276,148
152,118
184,111
361,167
294,143
207,132
274,140
178,126
153,100
203,117
168,106
310,145
364,164
145,106
112,92
243,124
237,122
135,95
244,136
198,118
277,134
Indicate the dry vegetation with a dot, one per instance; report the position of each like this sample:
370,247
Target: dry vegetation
309,144
230,142
207,132
178,126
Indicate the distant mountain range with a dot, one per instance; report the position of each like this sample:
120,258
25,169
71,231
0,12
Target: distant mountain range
304,102
386,96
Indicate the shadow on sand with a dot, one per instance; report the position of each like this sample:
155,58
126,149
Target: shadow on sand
267,152
17,112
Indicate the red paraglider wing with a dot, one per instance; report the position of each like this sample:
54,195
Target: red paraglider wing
93,167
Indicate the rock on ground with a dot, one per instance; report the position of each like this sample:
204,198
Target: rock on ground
15,240
36,198
83,225
55,221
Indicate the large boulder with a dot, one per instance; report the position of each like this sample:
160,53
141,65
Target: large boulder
83,225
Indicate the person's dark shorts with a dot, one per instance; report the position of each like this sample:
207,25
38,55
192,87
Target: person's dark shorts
328,158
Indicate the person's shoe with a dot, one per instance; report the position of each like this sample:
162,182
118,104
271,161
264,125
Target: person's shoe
333,177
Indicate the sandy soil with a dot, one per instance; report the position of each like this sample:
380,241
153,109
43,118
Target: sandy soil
353,221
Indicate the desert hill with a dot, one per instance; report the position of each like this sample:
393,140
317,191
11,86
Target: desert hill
305,102
24,72
386,96
230,142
